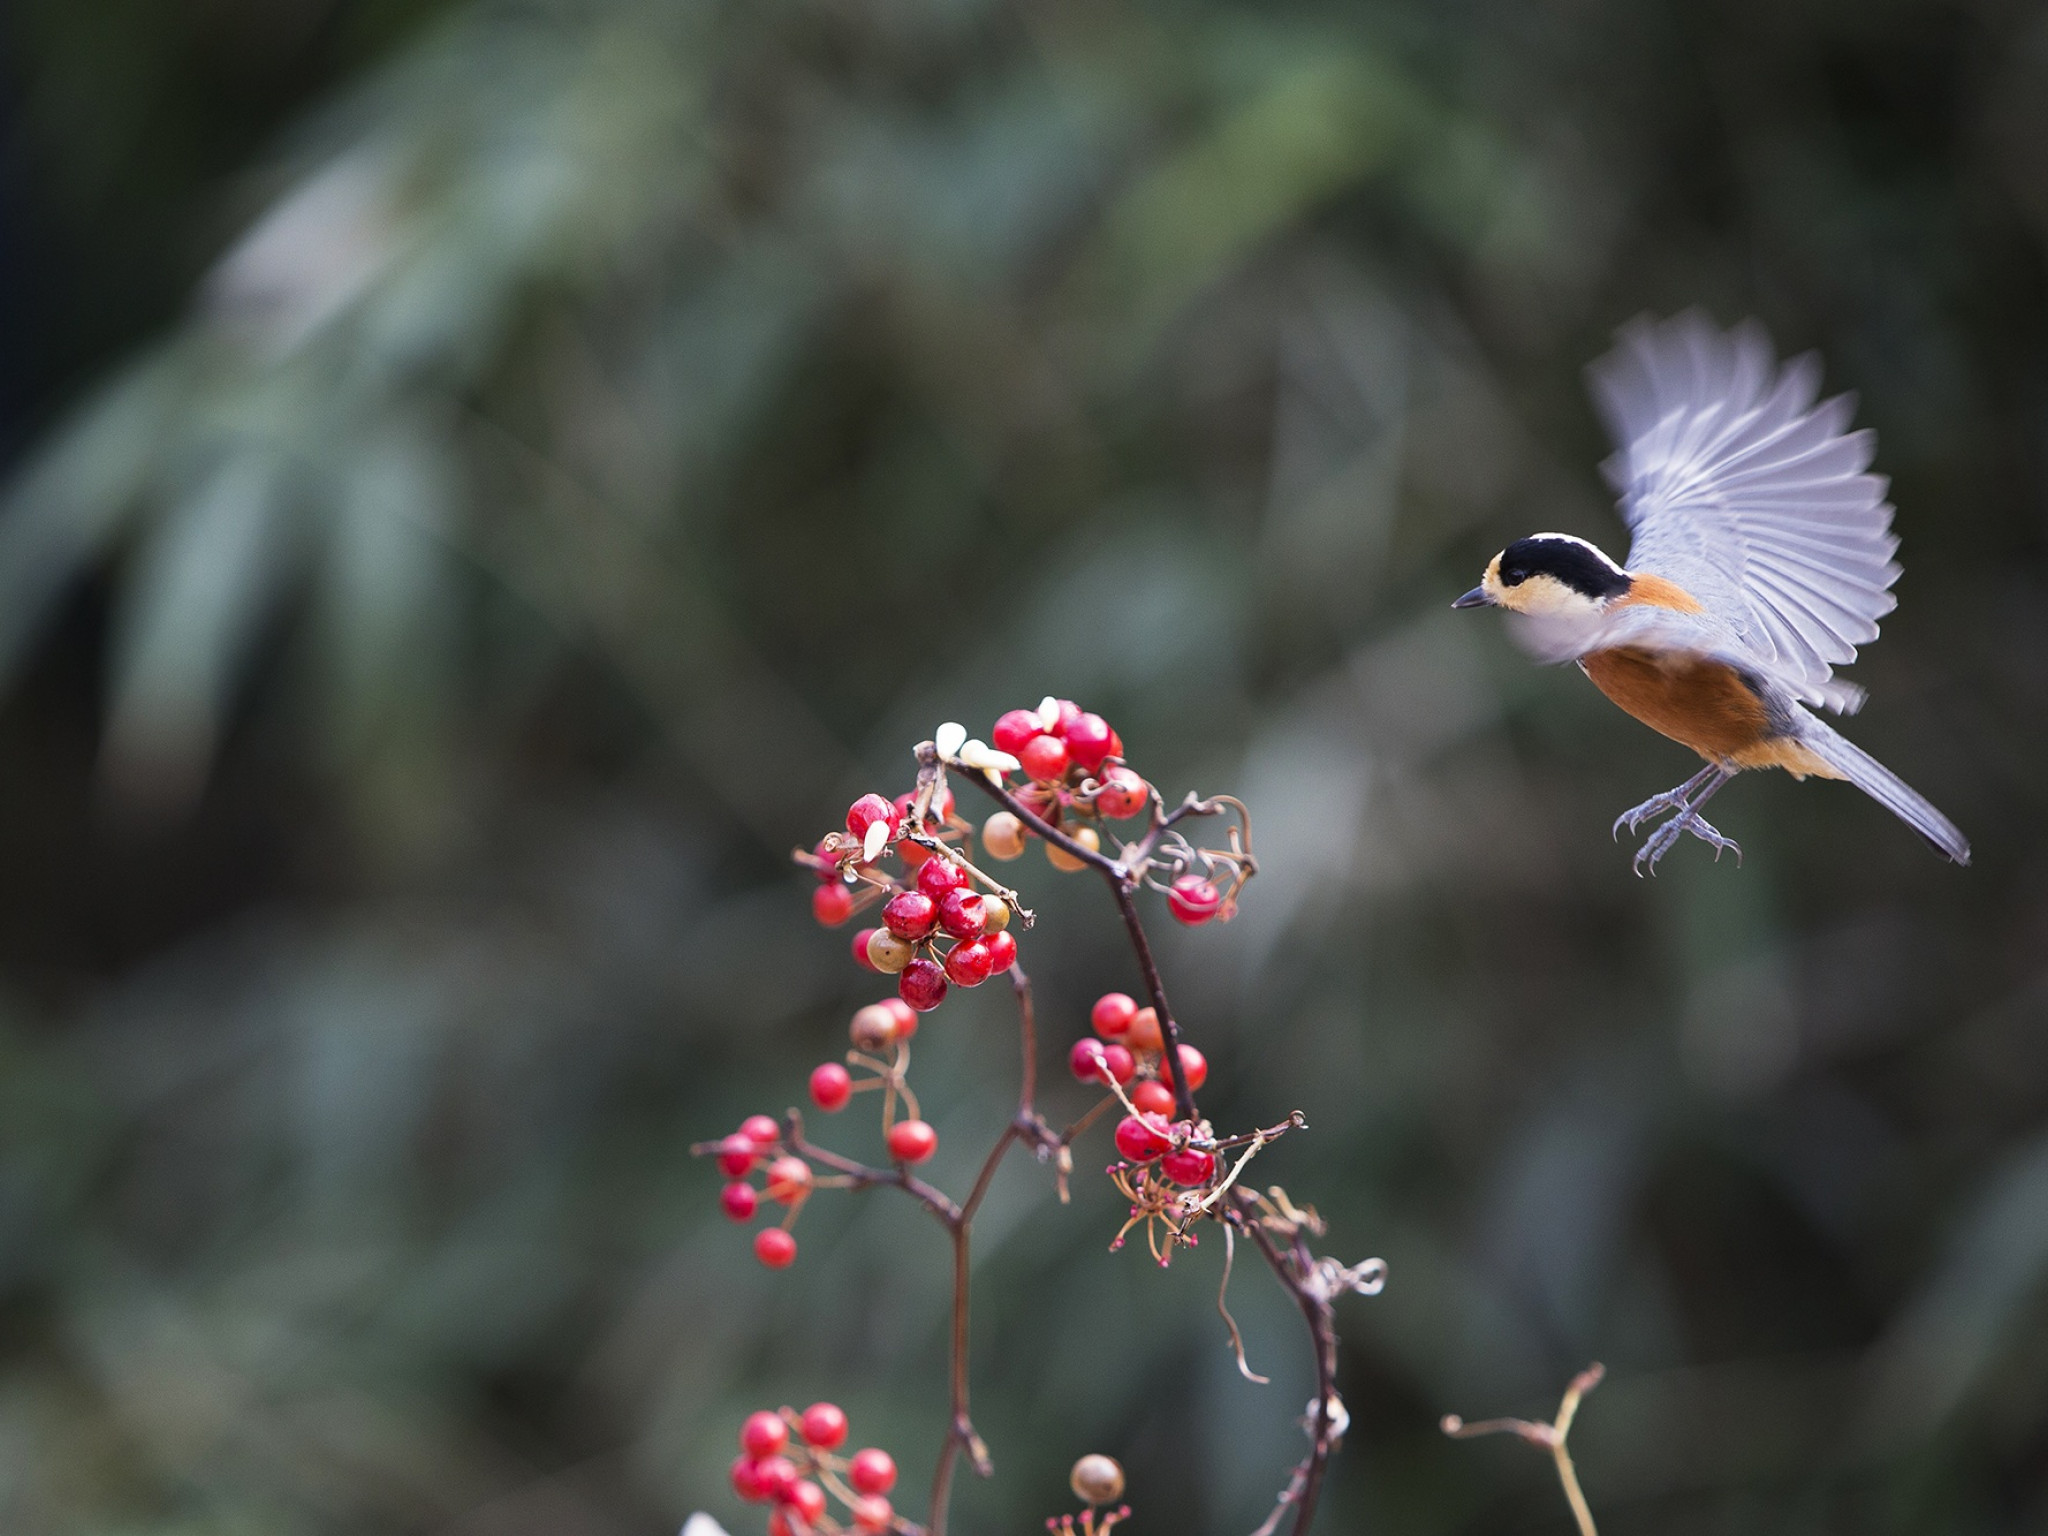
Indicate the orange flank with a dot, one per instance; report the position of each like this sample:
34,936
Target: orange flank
1703,704
1655,592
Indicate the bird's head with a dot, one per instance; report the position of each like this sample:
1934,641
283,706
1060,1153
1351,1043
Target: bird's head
1549,576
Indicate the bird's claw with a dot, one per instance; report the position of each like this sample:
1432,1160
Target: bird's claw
1656,805
1665,838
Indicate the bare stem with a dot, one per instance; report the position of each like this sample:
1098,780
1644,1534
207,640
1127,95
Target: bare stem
1553,1437
1025,1125
1295,1268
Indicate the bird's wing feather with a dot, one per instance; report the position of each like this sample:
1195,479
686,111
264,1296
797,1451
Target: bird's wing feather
1742,490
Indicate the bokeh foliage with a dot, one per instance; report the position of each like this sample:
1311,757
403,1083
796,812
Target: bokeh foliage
505,472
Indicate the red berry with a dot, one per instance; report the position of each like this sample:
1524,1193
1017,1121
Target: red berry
1091,1061
969,963
776,1475
1188,1166
963,914
872,1471
1002,953
832,904
1145,1034
860,949
746,1480
1069,713
778,1523
1087,1062
1142,1137
825,1426
774,1247
868,810
913,855
1193,899
736,1156
940,876
1045,759
872,1513
1153,1098
740,1201
789,1180
1088,741
1015,729
1194,1067
1122,793
911,1141
764,1434
910,915
1112,1014
922,984
808,1499
761,1130
904,1014
831,1087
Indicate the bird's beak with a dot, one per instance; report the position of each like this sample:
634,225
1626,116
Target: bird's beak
1476,598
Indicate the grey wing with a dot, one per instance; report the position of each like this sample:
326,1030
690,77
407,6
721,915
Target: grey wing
1740,489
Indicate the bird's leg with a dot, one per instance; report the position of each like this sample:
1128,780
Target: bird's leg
1688,819
1671,800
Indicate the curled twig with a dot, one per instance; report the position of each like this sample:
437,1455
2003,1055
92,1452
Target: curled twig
1223,1308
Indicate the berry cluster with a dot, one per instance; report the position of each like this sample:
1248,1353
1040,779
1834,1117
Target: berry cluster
1130,1055
1077,781
789,1461
787,1180
930,902
1073,762
881,1034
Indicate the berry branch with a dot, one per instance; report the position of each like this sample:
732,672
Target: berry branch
945,922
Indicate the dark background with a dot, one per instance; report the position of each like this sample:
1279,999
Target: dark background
486,480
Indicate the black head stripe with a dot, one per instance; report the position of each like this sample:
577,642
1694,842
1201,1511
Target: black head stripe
1565,559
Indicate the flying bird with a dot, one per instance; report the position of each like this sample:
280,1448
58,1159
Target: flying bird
1761,558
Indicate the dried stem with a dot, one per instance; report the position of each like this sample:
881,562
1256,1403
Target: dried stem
960,1432
1553,1437
1295,1267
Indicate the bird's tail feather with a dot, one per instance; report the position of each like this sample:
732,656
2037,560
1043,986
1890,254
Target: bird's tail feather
1891,792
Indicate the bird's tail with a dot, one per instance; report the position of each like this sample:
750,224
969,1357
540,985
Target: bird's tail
1889,791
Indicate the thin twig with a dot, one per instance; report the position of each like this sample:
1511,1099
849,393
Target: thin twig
1553,1437
960,1431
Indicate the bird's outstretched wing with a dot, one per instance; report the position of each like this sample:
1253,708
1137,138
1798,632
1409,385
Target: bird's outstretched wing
1740,489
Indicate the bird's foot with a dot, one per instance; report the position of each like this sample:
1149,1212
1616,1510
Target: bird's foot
1665,838
1656,805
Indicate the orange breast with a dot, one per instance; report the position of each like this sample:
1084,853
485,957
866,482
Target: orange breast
1703,704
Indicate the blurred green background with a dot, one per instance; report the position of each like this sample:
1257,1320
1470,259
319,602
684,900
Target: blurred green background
486,479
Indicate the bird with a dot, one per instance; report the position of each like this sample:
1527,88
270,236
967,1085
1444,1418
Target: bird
1761,557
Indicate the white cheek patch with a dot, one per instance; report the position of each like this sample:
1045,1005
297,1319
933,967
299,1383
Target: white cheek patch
1546,597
